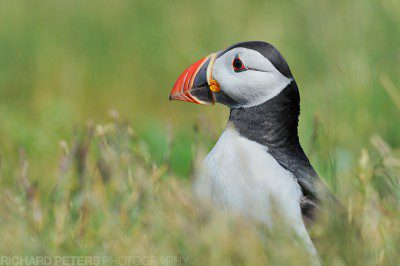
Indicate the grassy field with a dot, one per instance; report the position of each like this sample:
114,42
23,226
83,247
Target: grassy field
94,159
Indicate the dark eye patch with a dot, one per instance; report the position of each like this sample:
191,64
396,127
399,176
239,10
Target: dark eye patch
238,64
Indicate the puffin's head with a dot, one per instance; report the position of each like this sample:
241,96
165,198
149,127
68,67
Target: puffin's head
243,75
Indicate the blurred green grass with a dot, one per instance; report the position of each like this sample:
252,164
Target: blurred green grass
64,63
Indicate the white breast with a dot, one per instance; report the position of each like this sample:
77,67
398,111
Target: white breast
241,175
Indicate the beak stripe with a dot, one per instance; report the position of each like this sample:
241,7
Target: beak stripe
183,84
213,57
185,95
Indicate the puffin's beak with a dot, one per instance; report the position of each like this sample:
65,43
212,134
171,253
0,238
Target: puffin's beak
195,84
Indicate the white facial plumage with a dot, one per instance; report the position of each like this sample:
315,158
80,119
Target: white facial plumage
260,81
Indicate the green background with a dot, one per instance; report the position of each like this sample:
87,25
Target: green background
64,64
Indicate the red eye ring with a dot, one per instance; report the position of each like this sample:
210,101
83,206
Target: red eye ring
238,64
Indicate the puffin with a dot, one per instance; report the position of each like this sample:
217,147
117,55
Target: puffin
257,167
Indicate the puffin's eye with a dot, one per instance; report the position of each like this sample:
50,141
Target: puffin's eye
238,65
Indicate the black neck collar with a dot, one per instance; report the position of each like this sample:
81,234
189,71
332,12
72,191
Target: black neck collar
274,125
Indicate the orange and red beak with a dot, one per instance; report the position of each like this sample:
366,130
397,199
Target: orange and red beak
196,84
